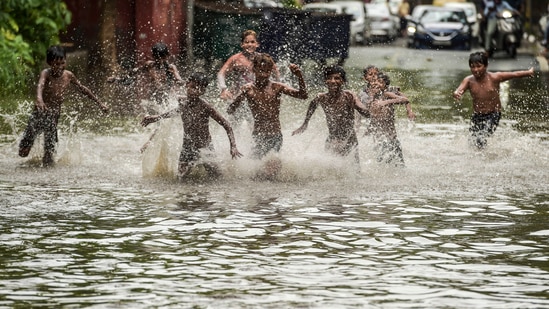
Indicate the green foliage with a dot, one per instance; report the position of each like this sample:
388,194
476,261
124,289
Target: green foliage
27,28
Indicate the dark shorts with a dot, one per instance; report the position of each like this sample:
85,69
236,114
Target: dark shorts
389,151
190,153
343,147
39,122
264,144
483,126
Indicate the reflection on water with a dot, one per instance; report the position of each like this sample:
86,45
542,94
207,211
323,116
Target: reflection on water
276,247
454,228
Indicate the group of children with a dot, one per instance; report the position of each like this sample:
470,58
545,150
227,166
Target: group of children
261,92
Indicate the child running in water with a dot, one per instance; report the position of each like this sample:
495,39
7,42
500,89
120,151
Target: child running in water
195,114
239,68
160,80
52,87
484,89
369,75
161,75
339,107
240,64
263,97
380,104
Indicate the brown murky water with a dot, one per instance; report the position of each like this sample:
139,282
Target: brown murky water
454,228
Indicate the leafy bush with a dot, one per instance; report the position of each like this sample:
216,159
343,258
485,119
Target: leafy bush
27,28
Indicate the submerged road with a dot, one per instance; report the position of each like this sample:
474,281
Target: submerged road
397,55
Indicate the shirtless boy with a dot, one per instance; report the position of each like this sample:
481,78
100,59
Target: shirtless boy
484,89
52,86
160,75
380,104
339,107
160,78
263,97
238,70
240,65
195,114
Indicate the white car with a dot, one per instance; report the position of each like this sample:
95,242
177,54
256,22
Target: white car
472,16
383,24
262,4
419,10
360,23
322,7
393,5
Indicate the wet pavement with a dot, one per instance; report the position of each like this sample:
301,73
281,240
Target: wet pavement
397,56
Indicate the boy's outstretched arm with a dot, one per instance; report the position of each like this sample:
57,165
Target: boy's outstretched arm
226,125
85,90
40,105
176,75
310,111
154,118
301,93
129,77
149,119
458,93
359,106
236,103
503,76
393,98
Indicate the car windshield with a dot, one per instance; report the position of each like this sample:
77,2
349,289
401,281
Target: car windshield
469,12
418,11
352,10
322,9
442,17
378,9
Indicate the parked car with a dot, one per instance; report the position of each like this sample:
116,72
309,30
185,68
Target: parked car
360,23
323,7
393,5
262,4
418,11
383,25
440,27
472,17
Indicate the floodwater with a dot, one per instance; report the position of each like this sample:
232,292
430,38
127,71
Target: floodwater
109,227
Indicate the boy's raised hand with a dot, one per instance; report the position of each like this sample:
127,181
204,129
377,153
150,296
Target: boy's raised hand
294,68
458,94
299,130
148,119
104,108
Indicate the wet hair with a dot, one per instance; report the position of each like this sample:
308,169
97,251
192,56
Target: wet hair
368,68
263,59
478,57
246,33
54,53
335,69
160,50
385,78
200,79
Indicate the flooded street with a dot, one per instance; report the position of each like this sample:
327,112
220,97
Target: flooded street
109,227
